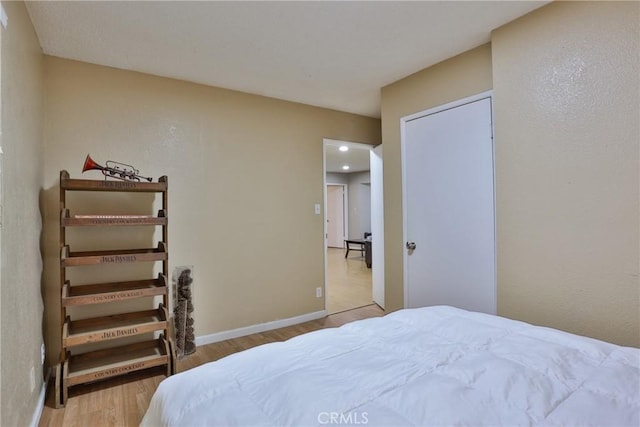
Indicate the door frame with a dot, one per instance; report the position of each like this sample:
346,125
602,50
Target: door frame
325,142
345,211
403,123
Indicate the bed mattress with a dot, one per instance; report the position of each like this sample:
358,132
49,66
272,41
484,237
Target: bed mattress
426,366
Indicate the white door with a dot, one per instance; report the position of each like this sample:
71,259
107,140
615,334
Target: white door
449,207
335,216
377,226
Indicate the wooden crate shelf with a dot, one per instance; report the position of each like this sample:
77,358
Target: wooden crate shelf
67,220
112,292
69,184
75,369
97,329
103,364
121,256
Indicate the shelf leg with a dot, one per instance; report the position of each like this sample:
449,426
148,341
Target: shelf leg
59,400
63,383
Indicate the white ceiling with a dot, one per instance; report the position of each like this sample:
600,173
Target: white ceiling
330,54
357,157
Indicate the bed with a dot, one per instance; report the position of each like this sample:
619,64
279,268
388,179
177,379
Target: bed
426,366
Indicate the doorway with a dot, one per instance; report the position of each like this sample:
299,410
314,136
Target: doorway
347,189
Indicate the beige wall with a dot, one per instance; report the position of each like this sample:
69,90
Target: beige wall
21,176
464,75
244,174
566,82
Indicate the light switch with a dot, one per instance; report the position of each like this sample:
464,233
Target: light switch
317,208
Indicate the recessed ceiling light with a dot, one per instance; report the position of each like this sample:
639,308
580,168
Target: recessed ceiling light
345,167
343,148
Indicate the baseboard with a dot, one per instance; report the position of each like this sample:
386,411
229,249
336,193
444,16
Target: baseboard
256,329
35,419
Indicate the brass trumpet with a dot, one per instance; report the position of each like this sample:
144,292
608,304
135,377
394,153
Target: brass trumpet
115,170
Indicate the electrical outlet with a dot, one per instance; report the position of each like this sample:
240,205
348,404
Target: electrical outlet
318,292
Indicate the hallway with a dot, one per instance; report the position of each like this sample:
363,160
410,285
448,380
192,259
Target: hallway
348,281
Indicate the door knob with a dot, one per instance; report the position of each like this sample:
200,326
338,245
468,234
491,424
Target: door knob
411,245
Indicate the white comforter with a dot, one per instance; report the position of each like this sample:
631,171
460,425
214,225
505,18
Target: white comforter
428,366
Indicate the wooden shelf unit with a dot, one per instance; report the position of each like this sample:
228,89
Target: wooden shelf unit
118,359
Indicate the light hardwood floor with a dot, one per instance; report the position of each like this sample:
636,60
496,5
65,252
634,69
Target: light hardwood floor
122,401
348,281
